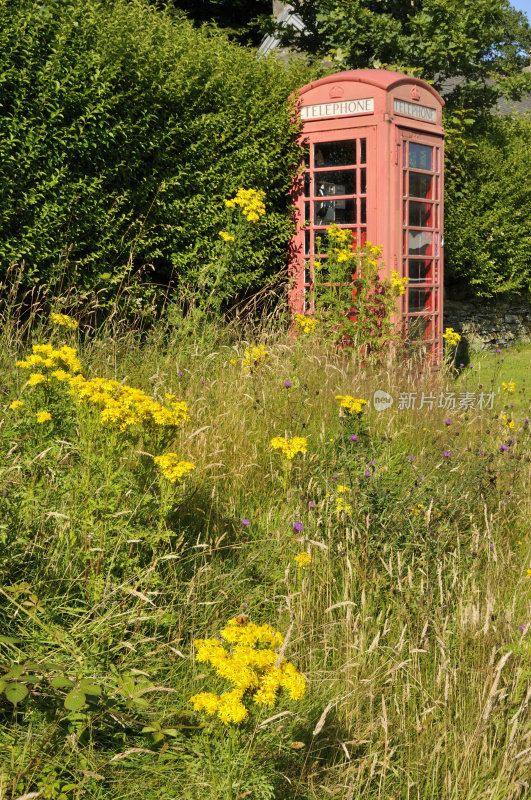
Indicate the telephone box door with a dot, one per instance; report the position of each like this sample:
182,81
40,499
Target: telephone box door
421,246
339,188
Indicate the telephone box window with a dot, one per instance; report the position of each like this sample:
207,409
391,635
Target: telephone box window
334,183
420,271
420,214
420,156
420,185
419,243
340,212
334,154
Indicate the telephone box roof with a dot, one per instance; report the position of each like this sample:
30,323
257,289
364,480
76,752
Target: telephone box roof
382,78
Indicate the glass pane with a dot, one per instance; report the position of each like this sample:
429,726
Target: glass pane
306,213
331,183
363,210
419,243
420,185
419,328
307,272
419,300
420,214
306,184
334,154
306,243
339,211
363,151
420,156
420,271
363,181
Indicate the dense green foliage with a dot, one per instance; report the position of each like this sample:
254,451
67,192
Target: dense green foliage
488,202
474,40
123,129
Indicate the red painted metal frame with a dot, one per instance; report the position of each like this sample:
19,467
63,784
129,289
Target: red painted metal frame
394,115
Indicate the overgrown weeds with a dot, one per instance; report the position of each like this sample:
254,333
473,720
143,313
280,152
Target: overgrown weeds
409,615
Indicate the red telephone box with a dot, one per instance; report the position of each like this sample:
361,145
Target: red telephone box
375,166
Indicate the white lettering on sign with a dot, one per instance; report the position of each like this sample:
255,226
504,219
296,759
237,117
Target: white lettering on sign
414,110
344,108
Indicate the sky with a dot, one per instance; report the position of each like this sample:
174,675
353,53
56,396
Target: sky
522,5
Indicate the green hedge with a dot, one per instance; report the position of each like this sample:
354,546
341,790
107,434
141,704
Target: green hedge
488,209
122,131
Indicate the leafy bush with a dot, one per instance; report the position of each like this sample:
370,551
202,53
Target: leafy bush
123,128
488,235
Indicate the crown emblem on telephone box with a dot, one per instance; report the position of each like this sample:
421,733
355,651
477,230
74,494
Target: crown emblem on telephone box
336,92
415,94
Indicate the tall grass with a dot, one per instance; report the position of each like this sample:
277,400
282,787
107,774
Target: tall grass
412,622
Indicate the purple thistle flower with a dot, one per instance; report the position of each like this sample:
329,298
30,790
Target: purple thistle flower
372,461
491,546
526,420
522,628
298,526
498,350
311,504
287,384
447,421
353,438
335,477
367,473
511,441
180,374
203,383
503,447
411,458
245,522
447,454
511,405
482,452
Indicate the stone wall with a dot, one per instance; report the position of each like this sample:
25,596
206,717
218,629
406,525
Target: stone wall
488,325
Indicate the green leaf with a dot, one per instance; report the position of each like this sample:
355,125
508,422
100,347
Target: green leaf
75,700
15,692
61,683
90,688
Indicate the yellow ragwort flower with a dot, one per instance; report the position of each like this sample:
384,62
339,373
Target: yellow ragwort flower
43,416
351,404
172,468
451,337
36,378
289,447
303,559
64,321
306,324
508,387
227,237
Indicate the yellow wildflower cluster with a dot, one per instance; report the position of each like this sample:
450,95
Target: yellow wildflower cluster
343,506
451,337
44,355
352,405
508,387
16,404
227,237
290,447
303,559
397,282
122,406
255,672
172,468
254,355
37,377
509,423
64,321
43,416
251,202
306,324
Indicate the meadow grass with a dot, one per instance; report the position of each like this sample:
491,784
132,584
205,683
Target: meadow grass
411,621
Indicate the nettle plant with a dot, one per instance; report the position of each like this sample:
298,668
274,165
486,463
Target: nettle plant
354,304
